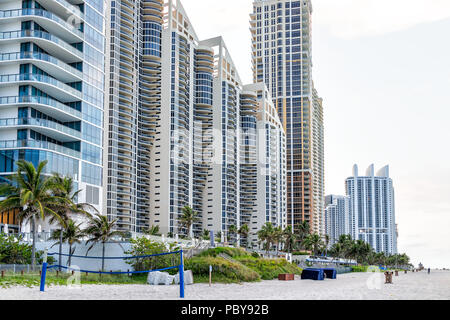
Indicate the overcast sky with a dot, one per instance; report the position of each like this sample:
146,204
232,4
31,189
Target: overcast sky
383,70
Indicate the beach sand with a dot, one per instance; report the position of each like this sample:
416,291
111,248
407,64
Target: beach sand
351,286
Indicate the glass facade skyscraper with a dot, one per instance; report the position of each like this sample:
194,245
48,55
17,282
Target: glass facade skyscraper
52,89
282,59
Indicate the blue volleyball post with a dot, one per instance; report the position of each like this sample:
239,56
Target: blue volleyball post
181,272
44,271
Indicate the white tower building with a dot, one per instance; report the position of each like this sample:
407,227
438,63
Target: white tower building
373,209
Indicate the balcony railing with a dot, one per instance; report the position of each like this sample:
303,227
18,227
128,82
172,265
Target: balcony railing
15,144
40,78
40,56
42,35
14,122
40,100
40,13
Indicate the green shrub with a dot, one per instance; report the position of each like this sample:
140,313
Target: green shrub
255,255
359,268
231,252
12,251
269,269
223,270
300,253
142,247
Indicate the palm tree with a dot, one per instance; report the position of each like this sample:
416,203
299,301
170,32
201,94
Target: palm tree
71,234
101,230
289,239
218,236
30,191
63,187
346,242
312,242
337,250
266,235
232,230
244,230
277,237
327,243
206,235
153,231
188,219
302,231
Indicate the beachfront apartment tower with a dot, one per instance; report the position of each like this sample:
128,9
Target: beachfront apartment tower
174,110
52,89
372,209
263,162
337,217
131,109
282,59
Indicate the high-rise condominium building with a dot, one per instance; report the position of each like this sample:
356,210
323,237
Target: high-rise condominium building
174,140
337,217
263,162
372,209
282,48
51,89
133,105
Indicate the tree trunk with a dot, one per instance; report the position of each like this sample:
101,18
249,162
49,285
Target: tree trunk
60,248
33,248
103,256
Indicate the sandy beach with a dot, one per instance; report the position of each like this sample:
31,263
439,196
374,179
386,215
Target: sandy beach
352,286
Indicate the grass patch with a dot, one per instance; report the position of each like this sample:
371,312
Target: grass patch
231,252
33,280
269,269
241,267
224,271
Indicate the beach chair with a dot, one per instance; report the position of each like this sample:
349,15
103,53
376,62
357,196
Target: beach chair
312,274
330,273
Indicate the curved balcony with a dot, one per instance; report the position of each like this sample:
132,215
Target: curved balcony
47,20
56,130
50,64
34,144
50,43
49,106
64,9
53,87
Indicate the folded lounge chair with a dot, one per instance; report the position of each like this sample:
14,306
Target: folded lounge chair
313,274
330,273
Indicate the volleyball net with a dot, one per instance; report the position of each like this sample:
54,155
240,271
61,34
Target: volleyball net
152,263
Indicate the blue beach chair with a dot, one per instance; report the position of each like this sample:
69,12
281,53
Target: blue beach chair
313,274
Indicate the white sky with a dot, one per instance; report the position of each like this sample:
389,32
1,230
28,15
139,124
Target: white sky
383,70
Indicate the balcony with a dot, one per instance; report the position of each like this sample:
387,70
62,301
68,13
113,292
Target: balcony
52,86
49,106
50,128
46,62
47,20
50,43
33,144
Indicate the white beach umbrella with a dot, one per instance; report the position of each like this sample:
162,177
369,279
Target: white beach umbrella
5,229
39,229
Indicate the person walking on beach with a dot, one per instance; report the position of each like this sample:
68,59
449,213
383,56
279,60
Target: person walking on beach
429,270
